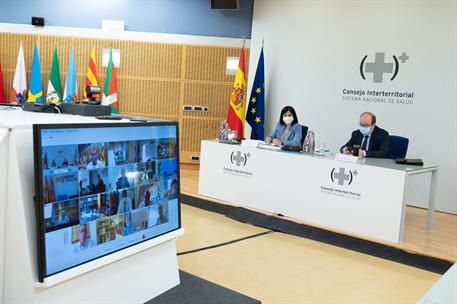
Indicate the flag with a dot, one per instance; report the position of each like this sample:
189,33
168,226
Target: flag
237,106
110,91
2,88
19,90
256,107
91,78
71,89
54,94
36,89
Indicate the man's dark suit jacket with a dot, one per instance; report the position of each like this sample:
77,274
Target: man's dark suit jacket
379,142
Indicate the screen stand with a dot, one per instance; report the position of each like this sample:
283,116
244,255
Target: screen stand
134,278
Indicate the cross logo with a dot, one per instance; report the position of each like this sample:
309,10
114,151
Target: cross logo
341,176
239,158
379,67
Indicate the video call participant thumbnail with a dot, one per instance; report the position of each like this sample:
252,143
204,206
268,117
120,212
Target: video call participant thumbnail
59,157
60,215
125,203
92,156
124,152
122,177
147,150
84,241
60,187
93,181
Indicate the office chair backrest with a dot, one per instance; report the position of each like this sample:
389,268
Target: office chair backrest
304,130
398,146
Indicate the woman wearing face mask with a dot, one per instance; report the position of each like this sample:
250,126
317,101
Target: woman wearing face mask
287,131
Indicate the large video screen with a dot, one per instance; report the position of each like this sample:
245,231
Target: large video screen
102,188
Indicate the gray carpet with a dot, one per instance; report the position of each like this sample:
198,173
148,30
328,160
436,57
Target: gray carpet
194,290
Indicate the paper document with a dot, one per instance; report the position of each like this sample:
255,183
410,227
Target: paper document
268,147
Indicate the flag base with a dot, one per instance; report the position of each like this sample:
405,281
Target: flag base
39,107
85,109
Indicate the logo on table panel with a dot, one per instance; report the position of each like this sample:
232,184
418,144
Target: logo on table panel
342,177
382,66
239,158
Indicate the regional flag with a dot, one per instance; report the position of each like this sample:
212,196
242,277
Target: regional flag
36,89
91,77
19,90
71,89
2,88
110,91
237,106
54,94
256,108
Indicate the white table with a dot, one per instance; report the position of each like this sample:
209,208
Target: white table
366,199
444,291
133,279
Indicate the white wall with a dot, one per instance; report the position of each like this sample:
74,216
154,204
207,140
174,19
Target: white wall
121,35
313,50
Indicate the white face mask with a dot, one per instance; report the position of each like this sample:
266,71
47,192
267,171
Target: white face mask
287,119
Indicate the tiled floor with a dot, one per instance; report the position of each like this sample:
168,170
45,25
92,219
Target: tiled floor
280,268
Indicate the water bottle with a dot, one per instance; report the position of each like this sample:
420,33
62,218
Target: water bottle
309,142
223,130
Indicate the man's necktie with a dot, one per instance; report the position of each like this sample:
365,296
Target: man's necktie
364,143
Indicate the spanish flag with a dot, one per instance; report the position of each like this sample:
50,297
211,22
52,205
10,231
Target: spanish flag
91,78
237,108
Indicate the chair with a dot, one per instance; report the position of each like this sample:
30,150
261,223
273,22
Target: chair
398,146
304,130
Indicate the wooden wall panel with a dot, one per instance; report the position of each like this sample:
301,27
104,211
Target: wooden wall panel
214,96
149,96
154,80
46,50
197,129
8,80
154,60
208,63
9,47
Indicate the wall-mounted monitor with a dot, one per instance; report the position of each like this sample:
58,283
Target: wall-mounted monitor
102,188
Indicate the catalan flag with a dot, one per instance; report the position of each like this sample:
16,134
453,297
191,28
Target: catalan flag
91,77
256,108
237,106
36,89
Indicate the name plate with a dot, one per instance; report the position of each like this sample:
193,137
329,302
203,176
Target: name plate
251,143
346,158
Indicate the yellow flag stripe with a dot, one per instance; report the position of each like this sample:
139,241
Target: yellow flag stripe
240,82
91,77
34,97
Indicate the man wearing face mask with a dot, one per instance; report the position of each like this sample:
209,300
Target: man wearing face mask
287,131
372,140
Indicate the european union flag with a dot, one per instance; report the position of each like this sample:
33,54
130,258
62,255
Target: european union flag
256,108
